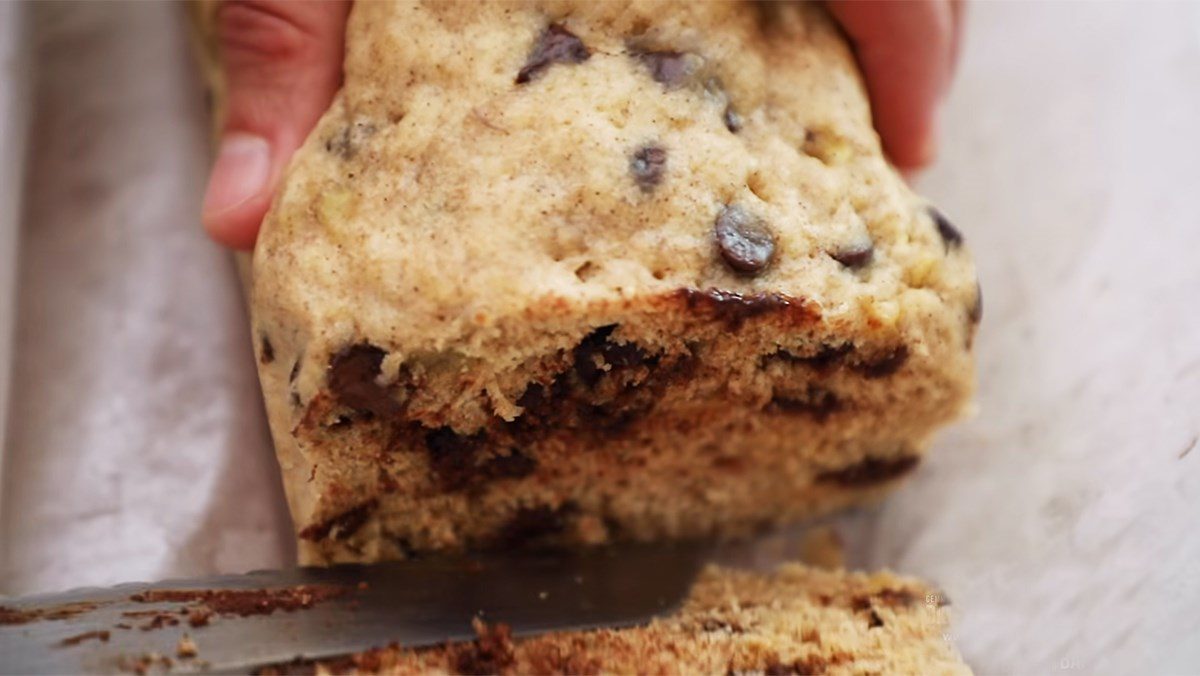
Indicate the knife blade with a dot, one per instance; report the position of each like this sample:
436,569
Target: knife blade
239,622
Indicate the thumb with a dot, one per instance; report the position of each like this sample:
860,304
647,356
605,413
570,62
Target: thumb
906,51
283,64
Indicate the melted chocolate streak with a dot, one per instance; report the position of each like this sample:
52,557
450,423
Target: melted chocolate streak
607,387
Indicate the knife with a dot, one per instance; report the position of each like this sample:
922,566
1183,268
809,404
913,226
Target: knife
237,623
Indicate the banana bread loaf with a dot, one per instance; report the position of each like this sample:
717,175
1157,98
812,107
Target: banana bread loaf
583,271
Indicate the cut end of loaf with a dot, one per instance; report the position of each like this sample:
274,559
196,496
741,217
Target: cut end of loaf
682,415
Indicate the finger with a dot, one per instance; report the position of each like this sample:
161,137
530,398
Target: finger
283,64
904,50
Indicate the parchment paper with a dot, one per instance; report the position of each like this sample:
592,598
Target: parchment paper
136,446
1060,521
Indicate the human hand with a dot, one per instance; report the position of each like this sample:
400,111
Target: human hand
283,65
907,51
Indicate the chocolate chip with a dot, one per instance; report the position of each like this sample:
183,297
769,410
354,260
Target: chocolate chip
546,407
621,355
590,350
855,256
733,121
614,527
352,380
826,359
346,142
534,399
343,525
614,418
555,45
595,352
817,402
605,389
874,620
266,352
950,234
637,376
734,308
870,472
860,604
405,548
452,457
531,524
515,465
975,313
744,240
648,165
731,118
672,69
339,144
886,366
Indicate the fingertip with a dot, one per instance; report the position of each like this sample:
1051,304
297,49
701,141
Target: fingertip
904,51
237,229
282,63
239,190
911,144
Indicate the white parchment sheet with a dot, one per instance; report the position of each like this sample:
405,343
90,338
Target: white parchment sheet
1062,521
135,446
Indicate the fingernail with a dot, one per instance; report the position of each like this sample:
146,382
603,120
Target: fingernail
240,173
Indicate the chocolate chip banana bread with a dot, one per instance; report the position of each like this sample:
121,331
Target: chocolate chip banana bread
794,621
584,271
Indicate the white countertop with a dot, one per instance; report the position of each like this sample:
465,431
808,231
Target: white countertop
1061,520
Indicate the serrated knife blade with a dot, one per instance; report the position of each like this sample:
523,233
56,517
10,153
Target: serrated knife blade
241,622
